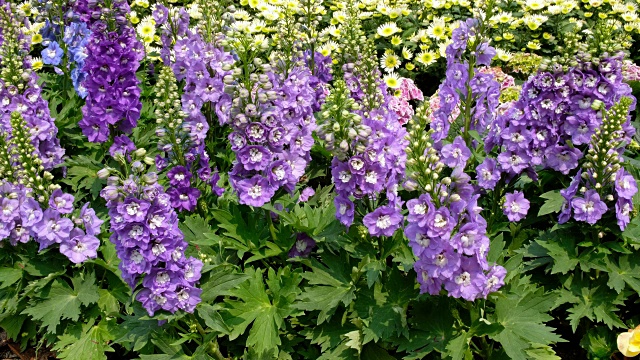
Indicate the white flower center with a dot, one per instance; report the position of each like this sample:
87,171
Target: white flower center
463,279
162,278
383,222
255,191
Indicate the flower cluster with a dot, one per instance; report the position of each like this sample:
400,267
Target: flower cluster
183,143
272,140
76,37
483,96
603,184
146,234
113,57
446,230
367,139
24,191
400,103
20,92
556,111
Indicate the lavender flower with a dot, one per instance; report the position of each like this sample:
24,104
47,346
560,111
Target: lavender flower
148,241
515,206
588,209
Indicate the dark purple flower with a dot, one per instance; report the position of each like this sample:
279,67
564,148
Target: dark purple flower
184,198
303,246
179,176
344,210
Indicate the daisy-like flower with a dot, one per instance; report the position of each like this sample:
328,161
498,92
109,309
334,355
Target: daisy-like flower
426,58
396,40
536,4
503,55
146,28
36,39
389,62
388,29
437,29
36,63
392,80
133,17
407,54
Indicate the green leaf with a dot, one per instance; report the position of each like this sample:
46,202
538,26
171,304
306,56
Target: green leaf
85,341
255,306
457,347
195,230
553,204
523,315
333,287
541,352
212,318
596,304
599,342
563,252
628,271
220,281
9,276
63,302
136,333
375,352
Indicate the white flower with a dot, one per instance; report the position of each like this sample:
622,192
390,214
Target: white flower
388,29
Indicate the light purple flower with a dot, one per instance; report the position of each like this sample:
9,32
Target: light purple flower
515,206
488,174
625,185
383,221
456,154
590,208
79,247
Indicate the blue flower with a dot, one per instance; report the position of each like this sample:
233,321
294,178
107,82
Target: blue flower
52,54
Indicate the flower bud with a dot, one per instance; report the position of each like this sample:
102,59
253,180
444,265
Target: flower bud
140,152
148,160
103,173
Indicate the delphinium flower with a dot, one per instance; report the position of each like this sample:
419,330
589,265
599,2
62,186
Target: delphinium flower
20,92
270,113
113,57
446,229
31,206
483,93
76,37
144,227
303,246
603,185
186,160
556,112
364,134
